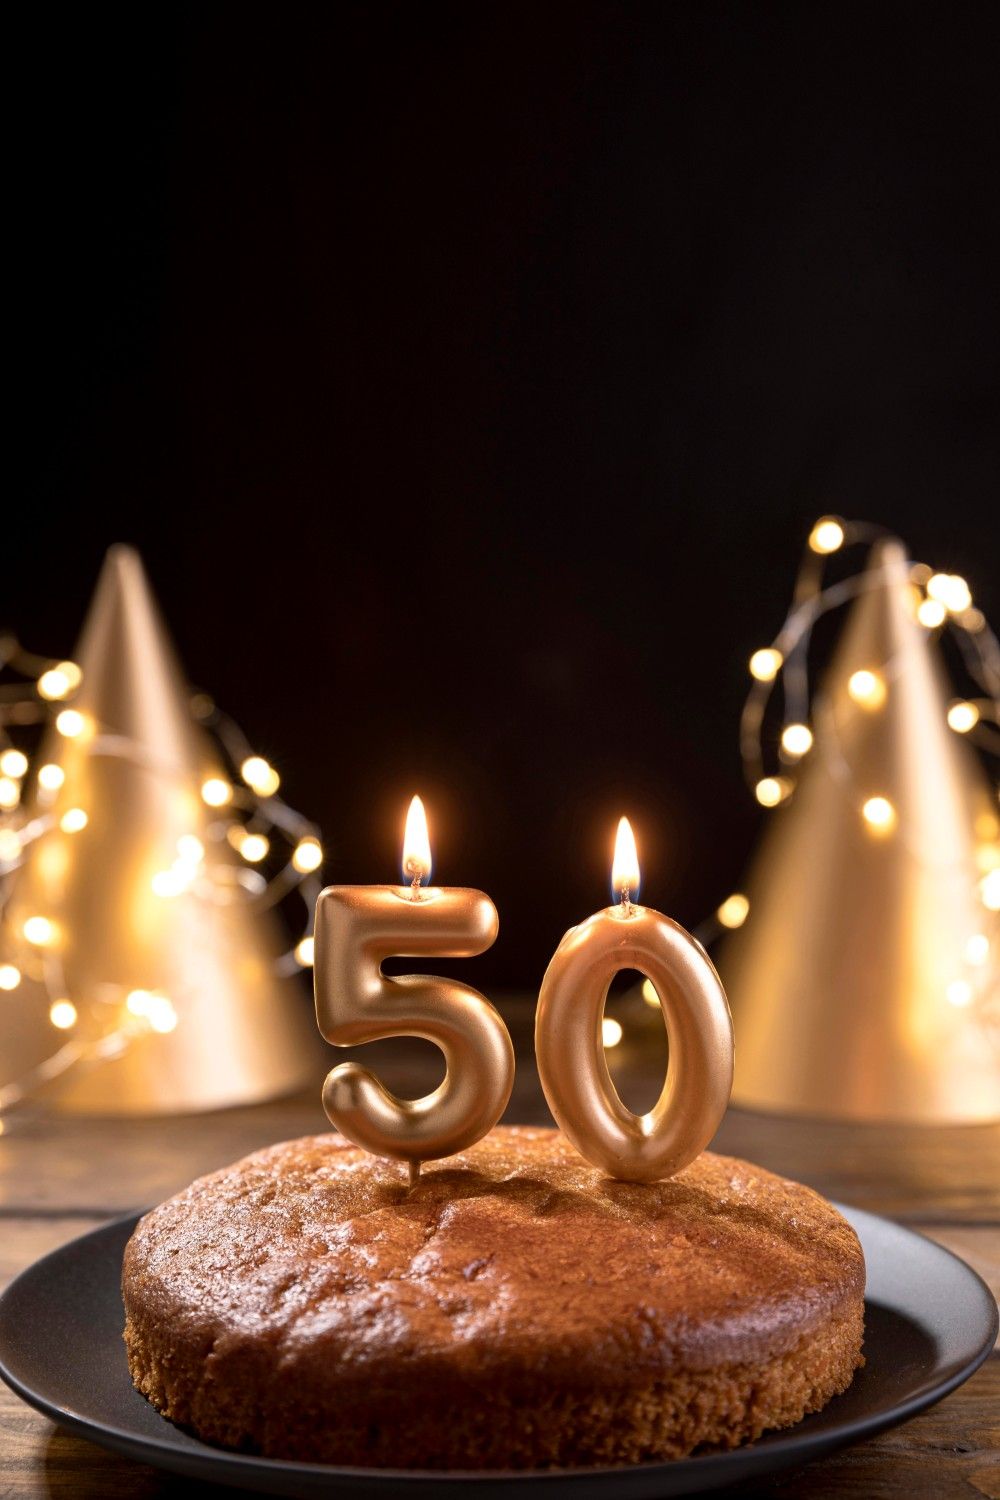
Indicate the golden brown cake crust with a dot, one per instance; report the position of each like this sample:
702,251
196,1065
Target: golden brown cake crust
516,1309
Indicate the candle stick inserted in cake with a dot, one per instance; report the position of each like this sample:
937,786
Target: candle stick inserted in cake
568,1035
356,928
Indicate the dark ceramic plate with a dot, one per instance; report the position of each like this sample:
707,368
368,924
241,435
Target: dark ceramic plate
930,1323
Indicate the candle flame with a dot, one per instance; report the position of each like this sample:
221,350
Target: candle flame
416,845
625,867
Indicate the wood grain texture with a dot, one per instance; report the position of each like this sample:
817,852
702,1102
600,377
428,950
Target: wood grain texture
60,1177
106,1167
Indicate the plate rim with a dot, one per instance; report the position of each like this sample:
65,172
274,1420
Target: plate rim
783,1450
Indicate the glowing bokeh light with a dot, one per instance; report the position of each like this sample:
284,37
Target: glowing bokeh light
734,911
962,716
867,688
13,763
260,775
771,790
308,856
39,931
62,1014
611,1031
879,814
827,535
796,739
215,792
766,663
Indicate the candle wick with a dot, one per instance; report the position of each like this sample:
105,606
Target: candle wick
626,901
415,887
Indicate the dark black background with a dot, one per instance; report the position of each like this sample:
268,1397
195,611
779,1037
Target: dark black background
470,375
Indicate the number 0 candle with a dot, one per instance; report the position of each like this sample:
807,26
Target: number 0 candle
357,927
568,1035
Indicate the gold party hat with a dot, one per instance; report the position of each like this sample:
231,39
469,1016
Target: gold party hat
135,766
855,982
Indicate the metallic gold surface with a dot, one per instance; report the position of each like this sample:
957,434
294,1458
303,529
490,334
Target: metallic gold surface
570,1052
241,1034
858,930
356,928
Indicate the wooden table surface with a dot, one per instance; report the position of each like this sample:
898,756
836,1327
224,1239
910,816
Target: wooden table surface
61,1176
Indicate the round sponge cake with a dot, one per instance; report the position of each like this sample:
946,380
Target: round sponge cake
515,1309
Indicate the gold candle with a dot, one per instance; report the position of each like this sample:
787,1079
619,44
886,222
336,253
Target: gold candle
356,928
570,1052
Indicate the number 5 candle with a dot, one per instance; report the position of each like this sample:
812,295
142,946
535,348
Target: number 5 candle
356,928
570,1053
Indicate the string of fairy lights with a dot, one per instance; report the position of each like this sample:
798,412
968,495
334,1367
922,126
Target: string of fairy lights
942,602
263,830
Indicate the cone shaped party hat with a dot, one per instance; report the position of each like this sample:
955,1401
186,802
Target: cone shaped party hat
136,770
851,985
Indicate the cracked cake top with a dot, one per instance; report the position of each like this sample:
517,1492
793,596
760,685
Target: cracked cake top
315,1244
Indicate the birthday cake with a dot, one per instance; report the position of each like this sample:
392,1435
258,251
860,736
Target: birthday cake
514,1309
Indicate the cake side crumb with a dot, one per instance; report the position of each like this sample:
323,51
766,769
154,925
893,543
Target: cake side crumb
516,1310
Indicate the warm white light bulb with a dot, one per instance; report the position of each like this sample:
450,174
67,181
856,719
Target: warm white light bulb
308,855
879,814
58,681
827,535
62,1014
734,910
10,792
10,976
71,723
155,1009
796,739
959,992
949,590
931,613
867,688
962,716
52,685
649,993
73,820
611,1031
771,790
254,848
766,663
260,776
51,777
215,792
39,931
13,763
305,951
989,890
161,1014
